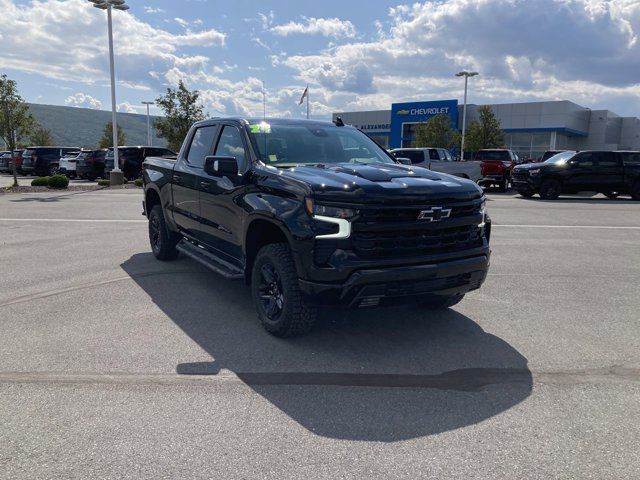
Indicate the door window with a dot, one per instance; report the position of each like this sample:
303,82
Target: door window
201,145
584,159
230,145
433,154
607,159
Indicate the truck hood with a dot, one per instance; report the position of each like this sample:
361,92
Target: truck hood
378,182
530,166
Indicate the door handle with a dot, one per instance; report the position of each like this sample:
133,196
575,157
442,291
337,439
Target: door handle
177,178
205,184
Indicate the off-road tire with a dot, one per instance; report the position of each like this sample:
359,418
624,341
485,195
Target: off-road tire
611,195
295,316
550,189
526,193
163,242
442,302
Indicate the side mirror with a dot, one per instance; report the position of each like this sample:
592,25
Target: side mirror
403,161
220,166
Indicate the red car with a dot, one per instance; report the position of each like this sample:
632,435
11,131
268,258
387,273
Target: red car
495,167
17,159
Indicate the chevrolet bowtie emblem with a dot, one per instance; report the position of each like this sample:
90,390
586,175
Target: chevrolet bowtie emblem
434,214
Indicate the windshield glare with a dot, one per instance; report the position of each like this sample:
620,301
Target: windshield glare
561,157
293,145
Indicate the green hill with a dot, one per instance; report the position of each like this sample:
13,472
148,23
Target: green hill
83,127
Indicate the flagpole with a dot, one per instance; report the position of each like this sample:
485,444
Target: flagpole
307,101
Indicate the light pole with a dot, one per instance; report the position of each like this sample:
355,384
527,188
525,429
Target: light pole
116,177
466,76
148,123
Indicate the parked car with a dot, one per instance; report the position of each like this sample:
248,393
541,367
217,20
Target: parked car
90,164
5,158
314,214
44,161
67,165
496,166
17,159
610,173
439,160
131,158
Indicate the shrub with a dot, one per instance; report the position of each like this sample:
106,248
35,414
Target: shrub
103,182
40,182
58,182
138,182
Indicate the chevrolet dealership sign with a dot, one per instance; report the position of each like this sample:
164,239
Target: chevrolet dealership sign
418,112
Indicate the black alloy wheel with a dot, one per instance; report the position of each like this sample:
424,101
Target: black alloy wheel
550,189
271,292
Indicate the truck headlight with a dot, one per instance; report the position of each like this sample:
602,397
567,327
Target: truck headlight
315,209
483,212
338,216
534,171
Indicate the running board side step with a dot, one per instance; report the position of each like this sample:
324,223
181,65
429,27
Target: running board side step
210,260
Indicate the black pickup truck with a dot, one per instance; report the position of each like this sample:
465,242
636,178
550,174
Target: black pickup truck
610,173
313,214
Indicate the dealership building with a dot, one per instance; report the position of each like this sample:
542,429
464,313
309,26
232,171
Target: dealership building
530,128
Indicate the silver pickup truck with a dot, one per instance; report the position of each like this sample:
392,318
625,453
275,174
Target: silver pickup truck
439,160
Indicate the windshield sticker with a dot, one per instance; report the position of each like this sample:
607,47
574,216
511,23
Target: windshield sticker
273,158
262,127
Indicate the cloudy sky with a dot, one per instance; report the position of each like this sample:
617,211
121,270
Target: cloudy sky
353,54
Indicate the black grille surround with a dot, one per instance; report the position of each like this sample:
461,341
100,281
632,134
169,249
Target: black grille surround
520,175
394,232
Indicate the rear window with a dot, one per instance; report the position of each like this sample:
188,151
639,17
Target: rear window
416,156
100,153
493,155
29,152
631,157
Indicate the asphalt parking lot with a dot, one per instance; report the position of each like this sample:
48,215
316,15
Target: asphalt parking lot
114,365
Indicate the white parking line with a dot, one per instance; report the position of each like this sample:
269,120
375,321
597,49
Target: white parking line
568,226
82,220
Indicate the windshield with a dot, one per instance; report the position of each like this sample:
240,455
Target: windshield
293,145
561,157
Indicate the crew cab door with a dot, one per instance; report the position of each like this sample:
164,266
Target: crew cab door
186,180
582,172
610,172
221,216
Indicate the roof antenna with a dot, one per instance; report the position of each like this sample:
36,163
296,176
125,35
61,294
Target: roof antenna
338,121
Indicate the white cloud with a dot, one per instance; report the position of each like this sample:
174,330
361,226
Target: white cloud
126,107
70,43
328,27
581,50
82,100
149,9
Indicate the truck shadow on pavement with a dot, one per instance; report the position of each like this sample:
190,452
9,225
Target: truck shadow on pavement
387,375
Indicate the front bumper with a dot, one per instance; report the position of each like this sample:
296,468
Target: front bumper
488,179
372,287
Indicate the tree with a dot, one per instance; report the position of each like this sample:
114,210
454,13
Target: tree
181,110
486,132
41,136
15,119
107,136
437,132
